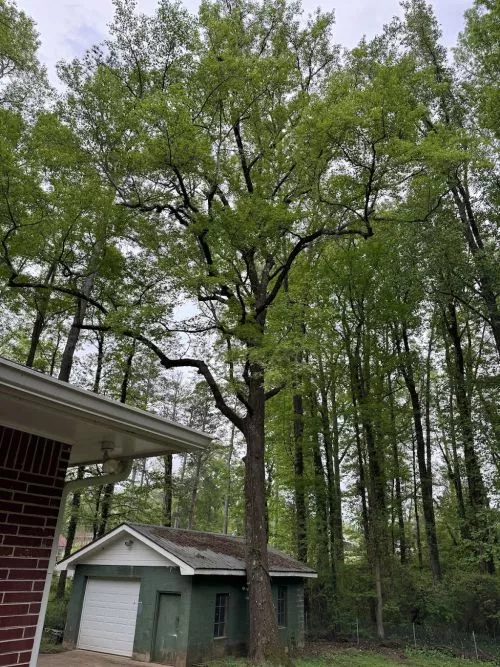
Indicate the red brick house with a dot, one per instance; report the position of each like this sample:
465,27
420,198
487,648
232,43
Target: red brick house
45,426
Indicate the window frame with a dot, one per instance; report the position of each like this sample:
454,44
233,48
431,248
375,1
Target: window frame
220,624
282,606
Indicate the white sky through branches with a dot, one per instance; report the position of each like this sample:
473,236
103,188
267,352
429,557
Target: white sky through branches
68,27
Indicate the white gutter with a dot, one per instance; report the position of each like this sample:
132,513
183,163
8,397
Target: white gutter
69,487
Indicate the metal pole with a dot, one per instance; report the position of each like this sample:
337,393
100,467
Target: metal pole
475,644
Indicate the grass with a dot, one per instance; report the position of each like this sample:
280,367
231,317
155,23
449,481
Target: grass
357,658
352,657
48,646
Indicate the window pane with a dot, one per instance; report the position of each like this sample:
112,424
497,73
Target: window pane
281,610
221,602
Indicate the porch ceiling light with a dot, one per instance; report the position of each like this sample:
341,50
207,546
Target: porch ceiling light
109,464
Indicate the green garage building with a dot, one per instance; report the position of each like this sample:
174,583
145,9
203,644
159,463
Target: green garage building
173,596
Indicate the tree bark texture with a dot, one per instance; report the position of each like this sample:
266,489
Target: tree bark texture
263,630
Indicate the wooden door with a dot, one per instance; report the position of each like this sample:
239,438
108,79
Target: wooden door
167,628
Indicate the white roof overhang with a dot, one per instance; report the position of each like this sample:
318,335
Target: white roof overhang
41,405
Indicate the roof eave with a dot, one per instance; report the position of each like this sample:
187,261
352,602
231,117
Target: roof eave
23,390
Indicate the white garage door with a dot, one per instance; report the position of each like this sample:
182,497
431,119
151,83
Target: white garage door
108,616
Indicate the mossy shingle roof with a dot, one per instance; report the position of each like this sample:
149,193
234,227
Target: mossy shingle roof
214,551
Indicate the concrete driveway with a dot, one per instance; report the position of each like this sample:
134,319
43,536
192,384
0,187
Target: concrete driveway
87,659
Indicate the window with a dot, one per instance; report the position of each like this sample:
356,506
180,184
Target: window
281,606
221,605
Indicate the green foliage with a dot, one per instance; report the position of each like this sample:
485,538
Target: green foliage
229,193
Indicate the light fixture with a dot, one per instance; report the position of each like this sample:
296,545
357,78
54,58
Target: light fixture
109,464
129,542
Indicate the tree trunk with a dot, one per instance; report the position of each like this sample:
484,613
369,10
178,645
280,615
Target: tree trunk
415,503
475,242
338,540
423,454
298,459
331,445
264,642
167,490
194,490
100,361
70,535
64,375
321,523
75,331
41,313
477,498
107,498
228,485
397,476
377,508
362,475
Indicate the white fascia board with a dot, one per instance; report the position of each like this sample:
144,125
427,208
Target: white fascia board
240,573
72,561
234,573
304,575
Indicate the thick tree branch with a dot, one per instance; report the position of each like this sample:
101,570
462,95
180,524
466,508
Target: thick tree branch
244,164
168,363
301,245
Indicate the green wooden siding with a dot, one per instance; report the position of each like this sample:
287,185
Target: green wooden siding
153,581
202,643
195,640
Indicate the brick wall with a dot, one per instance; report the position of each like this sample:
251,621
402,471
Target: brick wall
32,471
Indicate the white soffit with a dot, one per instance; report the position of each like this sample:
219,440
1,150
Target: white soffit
41,405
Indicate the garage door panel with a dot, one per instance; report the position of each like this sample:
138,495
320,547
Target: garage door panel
109,616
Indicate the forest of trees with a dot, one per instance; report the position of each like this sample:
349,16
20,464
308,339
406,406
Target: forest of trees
229,219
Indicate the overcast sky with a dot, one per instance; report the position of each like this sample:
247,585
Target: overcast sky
68,27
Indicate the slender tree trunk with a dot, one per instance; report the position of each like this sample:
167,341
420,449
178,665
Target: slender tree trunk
75,331
53,356
70,535
64,375
97,512
194,490
377,509
338,540
331,446
477,498
100,361
453,462
477,491
362,475
321,523
228,485
415,503
107,498
423,454
300,502
167,489
475,242
397,476
41,314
